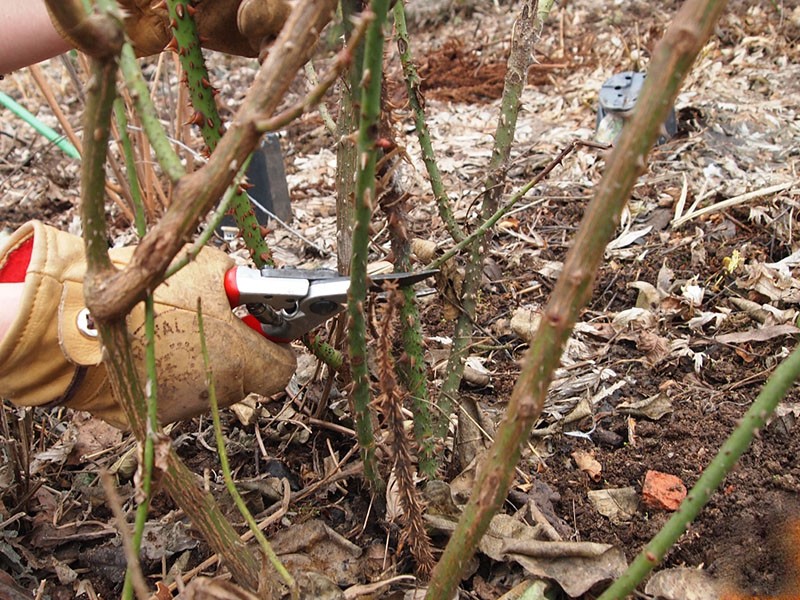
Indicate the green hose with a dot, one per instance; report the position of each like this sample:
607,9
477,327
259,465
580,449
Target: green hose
58,140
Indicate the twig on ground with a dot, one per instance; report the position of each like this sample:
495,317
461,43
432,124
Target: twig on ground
134,569
370,590
730,202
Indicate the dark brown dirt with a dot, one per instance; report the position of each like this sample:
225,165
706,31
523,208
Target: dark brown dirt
456,73
754,502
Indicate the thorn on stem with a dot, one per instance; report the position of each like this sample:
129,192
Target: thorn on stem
196,118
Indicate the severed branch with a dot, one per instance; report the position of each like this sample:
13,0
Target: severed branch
343,61
196,193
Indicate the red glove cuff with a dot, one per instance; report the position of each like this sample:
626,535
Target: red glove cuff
16,265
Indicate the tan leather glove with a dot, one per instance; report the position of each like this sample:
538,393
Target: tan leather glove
240,27
51,355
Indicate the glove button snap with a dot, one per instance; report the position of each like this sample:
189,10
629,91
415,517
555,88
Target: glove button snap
86,324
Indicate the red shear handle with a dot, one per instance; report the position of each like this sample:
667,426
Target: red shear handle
232,287
234,296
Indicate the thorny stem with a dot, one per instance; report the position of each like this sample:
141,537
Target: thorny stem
346,151
411,367
519,60
226,468
365,195
524,35
206,116
414,374
417,102
542,13
120,363
146,110
99,102
671,61
324,352
390,404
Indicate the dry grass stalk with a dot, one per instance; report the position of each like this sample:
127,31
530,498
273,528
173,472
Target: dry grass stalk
401,447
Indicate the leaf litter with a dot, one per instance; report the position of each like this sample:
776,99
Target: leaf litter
695,304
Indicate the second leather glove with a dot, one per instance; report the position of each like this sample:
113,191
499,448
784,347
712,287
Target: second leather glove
238,27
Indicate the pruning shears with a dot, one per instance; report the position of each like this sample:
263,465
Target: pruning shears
286,304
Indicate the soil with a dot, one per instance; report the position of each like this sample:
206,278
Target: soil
737,132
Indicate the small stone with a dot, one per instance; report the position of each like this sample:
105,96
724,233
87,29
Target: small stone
525,322
662,491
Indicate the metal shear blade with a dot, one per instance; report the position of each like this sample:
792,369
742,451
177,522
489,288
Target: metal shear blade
300,299
402,279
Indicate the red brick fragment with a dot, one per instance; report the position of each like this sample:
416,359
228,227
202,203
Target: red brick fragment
662,491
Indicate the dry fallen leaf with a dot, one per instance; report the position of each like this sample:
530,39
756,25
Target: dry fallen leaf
775,284
655,347
575,566
683,583
525,322
634,318
313,546
653,407
757,335
205,588
94,435
649,296
162,539
475,373
618,504
588,464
